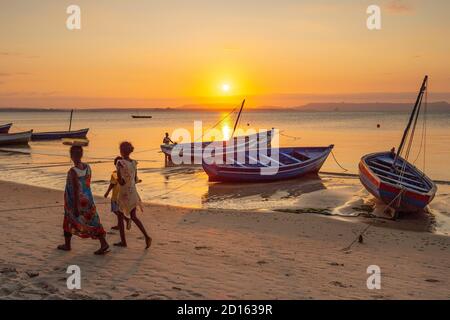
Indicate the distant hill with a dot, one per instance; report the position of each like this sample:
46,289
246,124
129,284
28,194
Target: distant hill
377,106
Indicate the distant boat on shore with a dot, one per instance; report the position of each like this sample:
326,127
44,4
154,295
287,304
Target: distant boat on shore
58,135
5,128
20,138
141,117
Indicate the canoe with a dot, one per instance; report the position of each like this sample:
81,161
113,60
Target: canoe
21,138
141,117
5,128
292,163
385,181
57,135
192,153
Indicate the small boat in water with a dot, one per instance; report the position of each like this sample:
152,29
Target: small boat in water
20,138
57,135
193,152
5,128
141,117
392,179
290,163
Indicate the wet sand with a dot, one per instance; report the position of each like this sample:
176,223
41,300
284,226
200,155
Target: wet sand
215,254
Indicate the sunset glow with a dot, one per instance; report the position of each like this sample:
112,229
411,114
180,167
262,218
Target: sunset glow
158,54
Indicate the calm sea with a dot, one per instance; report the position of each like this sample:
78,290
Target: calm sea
353,134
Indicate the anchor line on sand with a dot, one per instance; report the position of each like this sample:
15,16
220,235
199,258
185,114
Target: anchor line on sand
337,162
97,203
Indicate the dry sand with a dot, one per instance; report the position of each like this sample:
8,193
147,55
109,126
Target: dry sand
215,254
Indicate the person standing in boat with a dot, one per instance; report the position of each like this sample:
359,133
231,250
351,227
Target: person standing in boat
167,141
128,198
80,213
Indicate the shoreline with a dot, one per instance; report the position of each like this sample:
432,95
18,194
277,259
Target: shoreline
215,254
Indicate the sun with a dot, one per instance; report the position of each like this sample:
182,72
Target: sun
226,87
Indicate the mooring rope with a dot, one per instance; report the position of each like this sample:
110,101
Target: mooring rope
334,157
96,203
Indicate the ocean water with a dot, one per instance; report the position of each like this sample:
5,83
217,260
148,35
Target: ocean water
353,134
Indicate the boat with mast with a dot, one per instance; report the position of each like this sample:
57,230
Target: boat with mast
194,150
391,178
58,135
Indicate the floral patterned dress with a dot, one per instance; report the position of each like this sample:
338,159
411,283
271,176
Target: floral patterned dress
87,224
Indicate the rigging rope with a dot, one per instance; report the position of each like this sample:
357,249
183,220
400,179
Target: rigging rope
334,157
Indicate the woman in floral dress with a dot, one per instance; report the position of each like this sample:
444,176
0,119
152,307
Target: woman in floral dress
80,214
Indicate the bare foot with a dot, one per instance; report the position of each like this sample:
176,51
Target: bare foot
63,247
102,251
120,244
148,242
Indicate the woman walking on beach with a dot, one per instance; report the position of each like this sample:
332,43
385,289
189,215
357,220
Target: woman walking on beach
128,198
80,214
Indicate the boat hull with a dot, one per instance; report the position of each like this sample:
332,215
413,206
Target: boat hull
410,200
193,152
21,138
57,135
227,173
5,128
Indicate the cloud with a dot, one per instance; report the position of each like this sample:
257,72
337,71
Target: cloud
399,7
17,54
9,74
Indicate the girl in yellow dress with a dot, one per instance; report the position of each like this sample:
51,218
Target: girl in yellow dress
128,198
114,186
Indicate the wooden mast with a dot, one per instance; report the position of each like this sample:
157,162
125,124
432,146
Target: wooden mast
237,119
411,118
70,123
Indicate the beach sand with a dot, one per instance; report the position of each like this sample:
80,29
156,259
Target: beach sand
215,254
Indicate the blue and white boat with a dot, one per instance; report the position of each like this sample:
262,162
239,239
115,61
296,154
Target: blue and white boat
290,163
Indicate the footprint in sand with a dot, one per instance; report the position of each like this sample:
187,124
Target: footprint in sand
202,248
339,284
336,264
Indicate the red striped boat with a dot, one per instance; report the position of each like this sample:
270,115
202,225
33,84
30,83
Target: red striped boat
404,187
392,179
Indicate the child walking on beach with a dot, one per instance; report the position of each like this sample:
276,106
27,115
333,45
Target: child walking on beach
80,214
114,186
128,197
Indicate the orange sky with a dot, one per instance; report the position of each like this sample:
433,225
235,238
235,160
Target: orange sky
168,53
